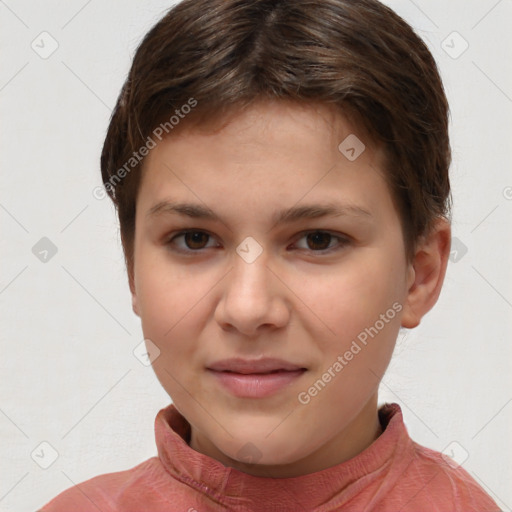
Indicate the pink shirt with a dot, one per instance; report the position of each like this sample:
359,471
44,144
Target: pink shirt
393,474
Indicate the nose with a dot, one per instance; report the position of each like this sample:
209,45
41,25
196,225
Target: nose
253,298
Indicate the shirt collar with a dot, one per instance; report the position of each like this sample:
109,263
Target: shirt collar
332,486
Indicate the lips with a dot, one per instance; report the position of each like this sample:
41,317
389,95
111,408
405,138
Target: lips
255,378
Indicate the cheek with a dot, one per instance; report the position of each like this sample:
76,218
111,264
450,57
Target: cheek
173,305
347,305
165,294
351,294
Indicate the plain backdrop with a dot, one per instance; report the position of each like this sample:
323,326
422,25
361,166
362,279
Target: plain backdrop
70,379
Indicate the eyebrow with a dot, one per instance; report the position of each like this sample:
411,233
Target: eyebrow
286,216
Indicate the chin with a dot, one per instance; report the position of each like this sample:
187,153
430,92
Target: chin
275,450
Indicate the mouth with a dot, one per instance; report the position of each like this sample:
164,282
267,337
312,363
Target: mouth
256,378
254,366
262,373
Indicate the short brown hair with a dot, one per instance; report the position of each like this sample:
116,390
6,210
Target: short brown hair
356,55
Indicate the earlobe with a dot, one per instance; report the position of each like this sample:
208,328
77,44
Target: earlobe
135,307
428,272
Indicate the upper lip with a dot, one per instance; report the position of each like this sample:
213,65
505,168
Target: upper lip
265,365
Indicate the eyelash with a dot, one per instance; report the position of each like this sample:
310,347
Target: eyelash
342,241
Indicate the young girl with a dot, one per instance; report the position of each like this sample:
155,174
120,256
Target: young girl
280,172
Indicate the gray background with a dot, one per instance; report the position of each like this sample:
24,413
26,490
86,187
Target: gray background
70,378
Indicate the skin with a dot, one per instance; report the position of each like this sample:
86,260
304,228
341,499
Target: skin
301,300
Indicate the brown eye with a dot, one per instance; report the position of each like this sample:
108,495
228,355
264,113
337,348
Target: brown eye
319,240
196,239
190,241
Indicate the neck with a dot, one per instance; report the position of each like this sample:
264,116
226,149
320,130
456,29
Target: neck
346,444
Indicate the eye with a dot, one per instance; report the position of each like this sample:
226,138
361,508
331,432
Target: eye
194,241
316,241
319,241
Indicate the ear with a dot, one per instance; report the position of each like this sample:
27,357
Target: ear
426,273
131,283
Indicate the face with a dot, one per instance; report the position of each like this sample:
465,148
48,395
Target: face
257,267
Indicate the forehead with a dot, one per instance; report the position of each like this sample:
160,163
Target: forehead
273,154
269,116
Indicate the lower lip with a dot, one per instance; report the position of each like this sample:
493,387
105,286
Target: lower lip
255,385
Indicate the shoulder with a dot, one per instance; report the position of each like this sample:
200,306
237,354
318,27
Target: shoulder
434,480
109,491
419,478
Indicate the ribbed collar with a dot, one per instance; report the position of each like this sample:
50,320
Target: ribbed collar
388,455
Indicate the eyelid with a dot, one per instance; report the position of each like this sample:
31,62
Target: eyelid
321,230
